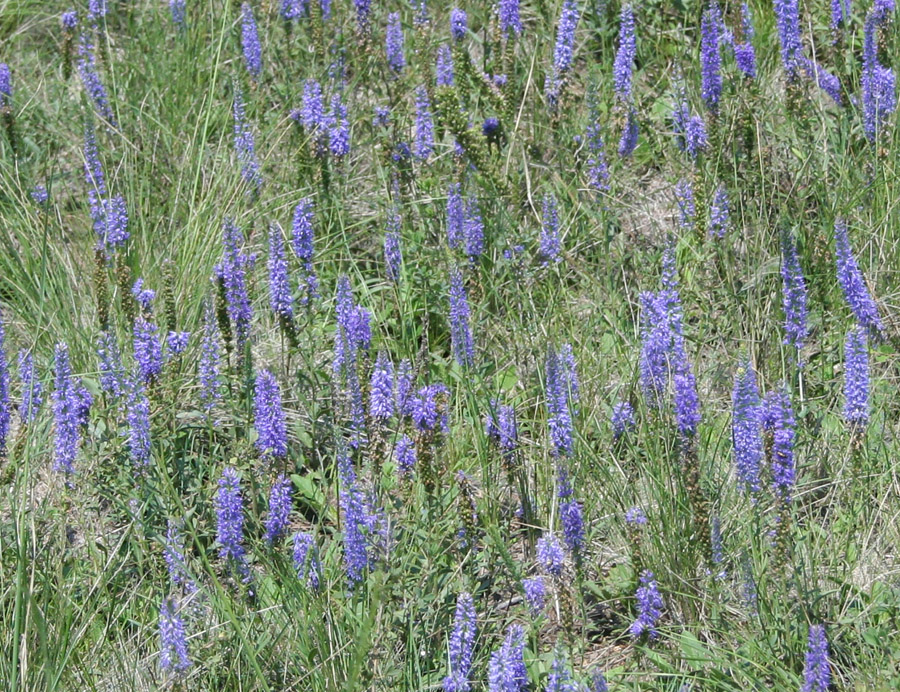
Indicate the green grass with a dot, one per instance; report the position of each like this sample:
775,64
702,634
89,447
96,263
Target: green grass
82,574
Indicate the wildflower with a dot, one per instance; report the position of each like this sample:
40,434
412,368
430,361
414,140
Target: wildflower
312,112
279,285
853,284
230,519
461,645
32,390
173,553
506,670
302,236
270,424
424,408
177,342
232,272
306,559
143,296
473,228
359,521
39,195
746,430
719,218
501,427
508,14
598,682
177,9
382,116
710,57
563,52
173,656
561,391
650,605
687,209
629,140
816,671
69,20
250,42
623,65
87,69
687,405
460,332
828,82
97,9
690,129
444,66
458,24
656,339
424,143
794,296
112,374
394,43
550,555
560,679
787,19
393,254
856,379
405,455
279,508
210,355
572,522
535,594
138,424
622,418
744,53
455,216
381,389
778,421
67,402
635,516
363,13
147,350
878,82
550,243
244,143
339,132
5,408
5,87
598,171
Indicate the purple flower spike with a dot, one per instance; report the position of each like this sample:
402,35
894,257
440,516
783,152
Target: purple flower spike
624,61
461,645
853,284
650,605
535,595
279,508
460,331
816,671
856,379
746,429
794,296
711,57
250,42
173,655
230,519
394,43
506,670
778,421
550,555
270,423
508,13
458,24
